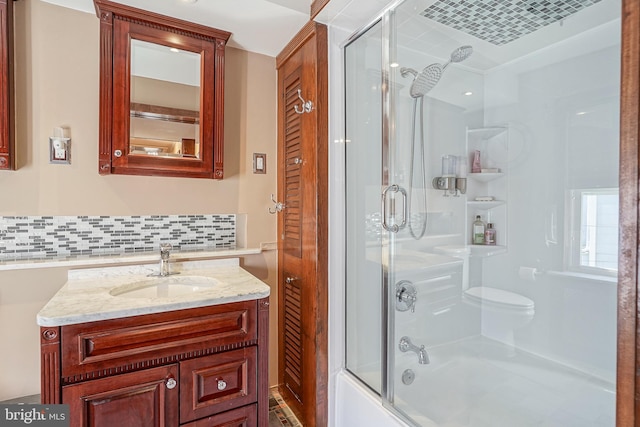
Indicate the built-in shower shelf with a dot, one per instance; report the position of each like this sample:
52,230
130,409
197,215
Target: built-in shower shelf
486,176
485,205
486,250
490,182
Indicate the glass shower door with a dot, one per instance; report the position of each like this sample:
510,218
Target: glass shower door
427,257
364,271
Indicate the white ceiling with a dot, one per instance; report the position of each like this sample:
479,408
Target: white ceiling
262,26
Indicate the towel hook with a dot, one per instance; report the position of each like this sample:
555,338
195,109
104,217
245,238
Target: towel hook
278,206
307,106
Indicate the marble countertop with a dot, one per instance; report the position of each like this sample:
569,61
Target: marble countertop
96,260
101,293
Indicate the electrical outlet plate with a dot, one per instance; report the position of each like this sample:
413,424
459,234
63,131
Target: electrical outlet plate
59,150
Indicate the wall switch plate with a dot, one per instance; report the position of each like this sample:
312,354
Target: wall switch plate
259,163
59,150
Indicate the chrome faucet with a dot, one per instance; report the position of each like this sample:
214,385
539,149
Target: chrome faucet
406,345
165,249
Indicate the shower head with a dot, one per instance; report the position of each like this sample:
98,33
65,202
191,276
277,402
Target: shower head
459,55
426,79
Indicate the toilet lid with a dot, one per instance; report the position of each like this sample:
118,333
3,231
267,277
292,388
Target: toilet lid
498,296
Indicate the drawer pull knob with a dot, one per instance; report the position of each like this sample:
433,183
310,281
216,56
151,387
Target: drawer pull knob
222,384
171,383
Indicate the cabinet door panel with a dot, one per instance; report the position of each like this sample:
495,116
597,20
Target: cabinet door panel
217,383
138,399
241,417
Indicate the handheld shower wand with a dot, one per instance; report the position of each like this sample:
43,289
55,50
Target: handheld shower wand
423,82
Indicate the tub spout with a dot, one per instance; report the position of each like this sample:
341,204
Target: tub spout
406,345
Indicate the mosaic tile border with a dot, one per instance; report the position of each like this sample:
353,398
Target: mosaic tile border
47,237
502,21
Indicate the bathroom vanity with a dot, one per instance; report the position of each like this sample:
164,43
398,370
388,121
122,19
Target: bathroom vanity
122,348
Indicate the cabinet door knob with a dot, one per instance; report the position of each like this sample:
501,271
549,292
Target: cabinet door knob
117,153
290,280
222,384
171,383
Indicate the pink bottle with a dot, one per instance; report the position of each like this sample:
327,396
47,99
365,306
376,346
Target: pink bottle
490,235
475,165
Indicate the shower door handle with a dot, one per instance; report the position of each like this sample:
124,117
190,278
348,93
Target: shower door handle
394,228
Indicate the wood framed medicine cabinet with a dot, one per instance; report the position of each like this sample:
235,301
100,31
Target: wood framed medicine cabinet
7,141
160,118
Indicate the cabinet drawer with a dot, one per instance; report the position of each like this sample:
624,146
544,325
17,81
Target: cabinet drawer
120,345
241,417
217,383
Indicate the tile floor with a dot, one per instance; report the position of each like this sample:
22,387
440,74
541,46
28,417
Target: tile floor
280,415
34,399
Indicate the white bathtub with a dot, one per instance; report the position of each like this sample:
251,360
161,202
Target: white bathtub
355,406
464,388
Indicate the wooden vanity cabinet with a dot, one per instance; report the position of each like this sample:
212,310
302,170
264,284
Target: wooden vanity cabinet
195,367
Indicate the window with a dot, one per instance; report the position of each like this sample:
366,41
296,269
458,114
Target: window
594,231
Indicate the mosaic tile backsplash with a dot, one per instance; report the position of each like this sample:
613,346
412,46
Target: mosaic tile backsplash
502,21
44,237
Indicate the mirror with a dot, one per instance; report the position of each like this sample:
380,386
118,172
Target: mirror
164,101
161,94
7,141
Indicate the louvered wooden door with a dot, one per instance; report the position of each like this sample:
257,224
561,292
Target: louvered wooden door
291,236
302,187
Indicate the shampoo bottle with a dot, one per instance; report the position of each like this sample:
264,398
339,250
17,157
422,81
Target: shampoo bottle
490,235
478,230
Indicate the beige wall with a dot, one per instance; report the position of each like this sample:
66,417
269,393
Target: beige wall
57,84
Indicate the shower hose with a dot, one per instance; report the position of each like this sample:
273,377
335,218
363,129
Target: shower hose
417,234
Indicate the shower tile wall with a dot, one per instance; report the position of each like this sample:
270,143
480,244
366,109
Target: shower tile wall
564,117
43,237
502,21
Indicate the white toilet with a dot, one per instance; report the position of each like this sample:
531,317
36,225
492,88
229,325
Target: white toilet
501,311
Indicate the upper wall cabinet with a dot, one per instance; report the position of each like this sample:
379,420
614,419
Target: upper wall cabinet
7,153
161,94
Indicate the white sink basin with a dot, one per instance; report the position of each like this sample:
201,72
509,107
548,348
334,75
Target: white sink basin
165,287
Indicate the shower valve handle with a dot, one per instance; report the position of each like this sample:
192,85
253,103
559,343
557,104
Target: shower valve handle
406,296
410,300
